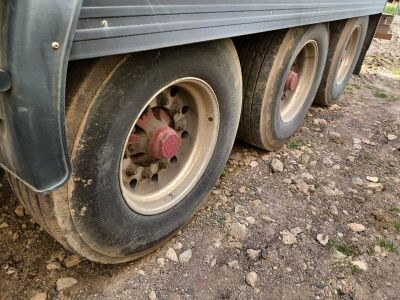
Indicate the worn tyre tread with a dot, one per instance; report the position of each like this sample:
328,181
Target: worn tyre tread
261,63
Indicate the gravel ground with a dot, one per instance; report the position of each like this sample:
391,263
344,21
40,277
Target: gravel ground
318,219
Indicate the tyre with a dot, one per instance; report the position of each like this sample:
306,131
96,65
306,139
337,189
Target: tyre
149,134
281,74
347,39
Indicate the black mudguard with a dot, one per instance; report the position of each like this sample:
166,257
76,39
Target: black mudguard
36,38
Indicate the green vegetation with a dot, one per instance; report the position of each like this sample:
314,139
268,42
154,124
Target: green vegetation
391,9
397,225
320,184
387,245
223,174
355,270
394,209
396,72
381,94
351,87
345,248
296,144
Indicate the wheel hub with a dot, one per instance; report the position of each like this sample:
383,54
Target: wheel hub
164,143
291,81
153,139
299,81
169,146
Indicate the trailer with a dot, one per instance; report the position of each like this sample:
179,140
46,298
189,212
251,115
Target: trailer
118,116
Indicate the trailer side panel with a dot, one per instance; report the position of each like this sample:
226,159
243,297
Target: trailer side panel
121,26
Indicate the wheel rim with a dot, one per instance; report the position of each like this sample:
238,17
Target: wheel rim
299,81
348,56
169,146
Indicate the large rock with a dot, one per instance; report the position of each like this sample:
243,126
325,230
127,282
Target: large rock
288,238
251,279
39,296
356,227
238,231
171,255
277,165
185,256
72,261
65,283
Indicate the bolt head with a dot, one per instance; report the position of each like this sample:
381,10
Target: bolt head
55,45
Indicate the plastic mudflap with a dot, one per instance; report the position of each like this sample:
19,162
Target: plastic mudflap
35,42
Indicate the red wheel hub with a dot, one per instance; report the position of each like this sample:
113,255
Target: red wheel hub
164,143
291,81
156,140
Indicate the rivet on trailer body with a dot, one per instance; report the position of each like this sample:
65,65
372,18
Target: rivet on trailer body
55,45
104,23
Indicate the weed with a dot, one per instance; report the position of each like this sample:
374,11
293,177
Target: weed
296,144
223,174
394,209
320,184
392,9
387,245
396,72
366,156
345,248
355,270
397,225
349,89
381,94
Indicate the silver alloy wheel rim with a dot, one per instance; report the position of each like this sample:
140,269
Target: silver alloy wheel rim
348,56
153,185
305,64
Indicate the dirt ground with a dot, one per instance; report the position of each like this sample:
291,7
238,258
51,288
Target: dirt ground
290,228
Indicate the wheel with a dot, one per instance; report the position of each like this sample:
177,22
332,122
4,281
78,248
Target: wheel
149,134
347,39
284,71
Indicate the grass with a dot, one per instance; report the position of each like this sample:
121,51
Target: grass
394,209
345,248
355,270
391,9
320,184
387,245
396,72
381,94
223,174
295,144
396,226
351,87
365,156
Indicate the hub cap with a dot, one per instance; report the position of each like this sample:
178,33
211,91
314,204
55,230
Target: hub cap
299,81
169,146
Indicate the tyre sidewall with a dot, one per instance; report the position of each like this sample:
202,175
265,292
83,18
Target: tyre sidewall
100,213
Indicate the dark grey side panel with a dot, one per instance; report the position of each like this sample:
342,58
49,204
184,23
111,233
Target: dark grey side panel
108,27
